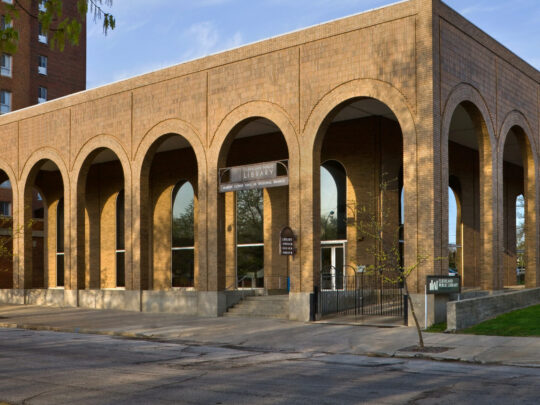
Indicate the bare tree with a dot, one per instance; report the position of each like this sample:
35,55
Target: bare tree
383,244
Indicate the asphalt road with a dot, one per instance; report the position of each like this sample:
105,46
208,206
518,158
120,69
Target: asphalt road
62,368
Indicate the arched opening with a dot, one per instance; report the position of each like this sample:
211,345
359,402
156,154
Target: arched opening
520,240
120,240
6,232
169,194
43,193
518,222
252,217
60,262
470,178
101,237
183,235
365,137
455,265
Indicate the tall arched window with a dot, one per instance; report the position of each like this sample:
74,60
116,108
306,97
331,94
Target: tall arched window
250,237
60,243
333,224
183,235
120,242
520,238
453,243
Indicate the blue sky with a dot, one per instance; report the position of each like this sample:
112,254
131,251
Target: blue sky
153,34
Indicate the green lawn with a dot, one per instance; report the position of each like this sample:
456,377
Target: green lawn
437,328
523,322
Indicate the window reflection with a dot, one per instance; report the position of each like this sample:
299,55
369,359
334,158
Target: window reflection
183,235
250,238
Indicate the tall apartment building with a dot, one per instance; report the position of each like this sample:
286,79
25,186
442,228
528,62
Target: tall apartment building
36,73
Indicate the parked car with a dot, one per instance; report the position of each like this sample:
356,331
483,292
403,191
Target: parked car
452,272
520,275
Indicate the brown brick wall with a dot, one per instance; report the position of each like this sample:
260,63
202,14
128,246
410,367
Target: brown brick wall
418,57
66,71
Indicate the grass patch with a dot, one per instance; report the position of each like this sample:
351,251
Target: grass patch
523,322
437,328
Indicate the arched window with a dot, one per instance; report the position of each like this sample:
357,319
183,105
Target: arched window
250,237
333,202
183,235
60,243
6,199
453,244
333,224
120,242
520,238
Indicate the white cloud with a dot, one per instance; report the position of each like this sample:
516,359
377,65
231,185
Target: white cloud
205,39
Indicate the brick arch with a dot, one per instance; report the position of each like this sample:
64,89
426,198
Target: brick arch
30,167
466,93
490,200
28,175
86,154
313,135
141,169
79,170
10,175
171,126
253,109
516,119
222,137
315,127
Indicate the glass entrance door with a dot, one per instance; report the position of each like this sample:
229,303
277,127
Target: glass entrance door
332,264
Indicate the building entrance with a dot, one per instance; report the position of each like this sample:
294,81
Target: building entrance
333,264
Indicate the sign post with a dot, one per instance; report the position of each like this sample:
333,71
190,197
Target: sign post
440,285
443,285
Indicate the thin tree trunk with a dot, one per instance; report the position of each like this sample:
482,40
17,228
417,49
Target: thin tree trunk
418,329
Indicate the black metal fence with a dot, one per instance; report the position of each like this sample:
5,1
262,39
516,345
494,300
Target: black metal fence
359,293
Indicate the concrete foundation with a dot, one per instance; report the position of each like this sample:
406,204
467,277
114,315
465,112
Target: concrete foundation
436,309
300,306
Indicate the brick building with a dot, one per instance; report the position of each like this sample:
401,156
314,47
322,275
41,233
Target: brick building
36,73
130,173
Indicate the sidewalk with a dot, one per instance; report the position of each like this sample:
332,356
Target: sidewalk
275,335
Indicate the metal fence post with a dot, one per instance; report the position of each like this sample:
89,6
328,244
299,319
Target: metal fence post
405,310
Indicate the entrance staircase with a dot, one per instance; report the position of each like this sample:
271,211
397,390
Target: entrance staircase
265,306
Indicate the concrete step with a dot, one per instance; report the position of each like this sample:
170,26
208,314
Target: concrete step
273,306
264,298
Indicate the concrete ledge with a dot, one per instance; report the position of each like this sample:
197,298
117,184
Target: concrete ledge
300,306
469,312
177,302
11,296
110,299
211,303
49,297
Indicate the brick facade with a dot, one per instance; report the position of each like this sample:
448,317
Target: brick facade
419,59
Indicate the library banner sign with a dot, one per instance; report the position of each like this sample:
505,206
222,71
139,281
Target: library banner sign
255,176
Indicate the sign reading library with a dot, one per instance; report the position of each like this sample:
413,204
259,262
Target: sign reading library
247,177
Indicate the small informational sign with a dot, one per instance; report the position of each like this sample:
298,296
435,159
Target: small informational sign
443,284
287,240
256,176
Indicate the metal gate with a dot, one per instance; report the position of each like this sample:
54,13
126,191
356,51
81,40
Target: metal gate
359,293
